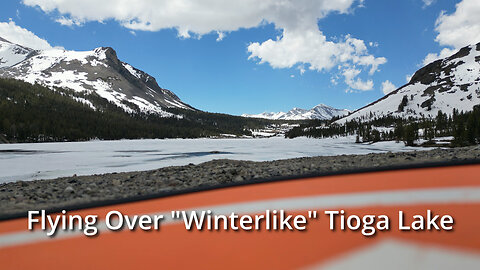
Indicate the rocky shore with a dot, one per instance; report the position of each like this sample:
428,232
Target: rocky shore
18,197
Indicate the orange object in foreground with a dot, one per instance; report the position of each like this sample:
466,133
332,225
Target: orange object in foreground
444,191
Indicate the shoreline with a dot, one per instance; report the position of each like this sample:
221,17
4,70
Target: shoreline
18,197
55,160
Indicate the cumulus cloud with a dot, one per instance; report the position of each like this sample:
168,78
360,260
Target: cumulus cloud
301,43
312,47
460,28
16,34
388,87
301,69
309,48
445,52
456,30
197,17
355,83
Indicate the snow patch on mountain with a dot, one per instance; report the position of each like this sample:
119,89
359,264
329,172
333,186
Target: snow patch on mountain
321,112
132,70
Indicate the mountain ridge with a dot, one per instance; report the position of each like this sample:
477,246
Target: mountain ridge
320,112
98,70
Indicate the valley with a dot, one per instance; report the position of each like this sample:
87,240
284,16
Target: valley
93,95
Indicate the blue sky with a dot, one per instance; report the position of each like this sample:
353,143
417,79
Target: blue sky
219,76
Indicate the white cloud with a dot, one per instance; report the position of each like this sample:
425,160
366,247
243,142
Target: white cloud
355,83
427,3
301,43
460,28
301,68
445,52
408,77
456,30
16,34
311,48
388,87
197,17
296,47
221,35
68,21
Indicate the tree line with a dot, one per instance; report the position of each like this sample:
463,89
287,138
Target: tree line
33,113
464,127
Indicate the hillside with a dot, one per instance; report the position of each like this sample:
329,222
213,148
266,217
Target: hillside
98,71
442,100
444,85
34,113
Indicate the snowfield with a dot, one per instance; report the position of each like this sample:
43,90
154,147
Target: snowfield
10,53
52,160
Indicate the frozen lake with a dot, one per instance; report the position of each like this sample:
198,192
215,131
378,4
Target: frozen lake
52,160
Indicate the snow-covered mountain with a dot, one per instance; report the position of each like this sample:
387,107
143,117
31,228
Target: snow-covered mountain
98,71
443,85
11,53
321,111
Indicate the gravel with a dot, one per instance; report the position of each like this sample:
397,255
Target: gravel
18,197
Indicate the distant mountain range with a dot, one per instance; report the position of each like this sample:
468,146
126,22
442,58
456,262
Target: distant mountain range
321,112
443,85
98,71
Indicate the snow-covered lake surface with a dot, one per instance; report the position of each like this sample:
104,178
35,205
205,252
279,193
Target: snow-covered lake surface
52,160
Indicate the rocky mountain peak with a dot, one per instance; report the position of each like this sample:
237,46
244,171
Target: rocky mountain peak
433,71
99,71
108,54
